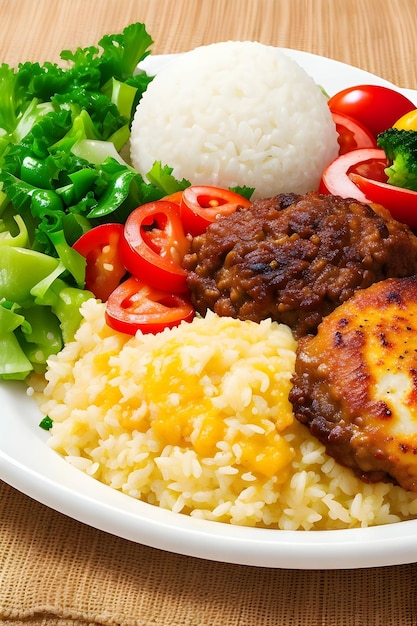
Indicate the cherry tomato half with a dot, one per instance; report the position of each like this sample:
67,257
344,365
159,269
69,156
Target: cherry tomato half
401,203
104,269
352,134
374,106
369,162
202,205
153,245
134,306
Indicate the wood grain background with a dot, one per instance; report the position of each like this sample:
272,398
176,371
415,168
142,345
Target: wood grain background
376,35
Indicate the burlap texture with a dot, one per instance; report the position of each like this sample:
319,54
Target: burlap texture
54,570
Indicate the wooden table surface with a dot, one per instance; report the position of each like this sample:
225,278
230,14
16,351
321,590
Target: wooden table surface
375,35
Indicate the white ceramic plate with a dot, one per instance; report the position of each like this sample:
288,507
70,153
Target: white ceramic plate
29,465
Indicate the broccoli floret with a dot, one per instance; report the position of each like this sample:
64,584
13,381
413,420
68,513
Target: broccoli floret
400,147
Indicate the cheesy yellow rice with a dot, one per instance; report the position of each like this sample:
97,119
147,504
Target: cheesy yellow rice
196,419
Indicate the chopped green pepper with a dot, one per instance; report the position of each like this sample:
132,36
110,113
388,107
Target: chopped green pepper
38,172
115,194
81,183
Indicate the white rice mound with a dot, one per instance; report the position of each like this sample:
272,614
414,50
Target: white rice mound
235,113
196,420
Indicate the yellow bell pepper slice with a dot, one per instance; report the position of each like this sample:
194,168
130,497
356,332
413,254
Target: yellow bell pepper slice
407,121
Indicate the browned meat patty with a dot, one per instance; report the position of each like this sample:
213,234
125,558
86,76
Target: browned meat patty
295,258
355,382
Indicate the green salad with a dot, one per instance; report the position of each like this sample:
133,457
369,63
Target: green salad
61,133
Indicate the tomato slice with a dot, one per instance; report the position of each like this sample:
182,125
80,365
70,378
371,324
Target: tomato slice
352,134
134,306
401,203
153,245
366,161
375,106
174,197
104,268
202,205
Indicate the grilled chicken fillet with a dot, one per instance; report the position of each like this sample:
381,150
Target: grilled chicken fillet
355,383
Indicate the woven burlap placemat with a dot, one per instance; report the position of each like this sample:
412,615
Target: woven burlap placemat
55,569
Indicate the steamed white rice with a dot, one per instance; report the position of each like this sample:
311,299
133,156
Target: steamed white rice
236,113
196,419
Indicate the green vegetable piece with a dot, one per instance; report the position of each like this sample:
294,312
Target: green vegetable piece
18,192
71,260
82,128
20,270
122,95
97,151
38,173
4,200
65,302
82,181
46,132
41,290
13,96
46,200
46,423
246,192
48,206
121,54
35,111
161,177
67,309
400,147
20,239
44,337
75,225
120,137
14,364
115,194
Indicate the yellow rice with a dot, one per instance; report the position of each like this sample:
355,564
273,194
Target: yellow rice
196,419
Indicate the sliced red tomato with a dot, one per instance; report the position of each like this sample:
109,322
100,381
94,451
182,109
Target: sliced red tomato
401,203
375,106
202,205
134,306
153,245
104,268
352,134
174,197
369,162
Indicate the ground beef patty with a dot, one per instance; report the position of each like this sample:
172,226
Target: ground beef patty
295,258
